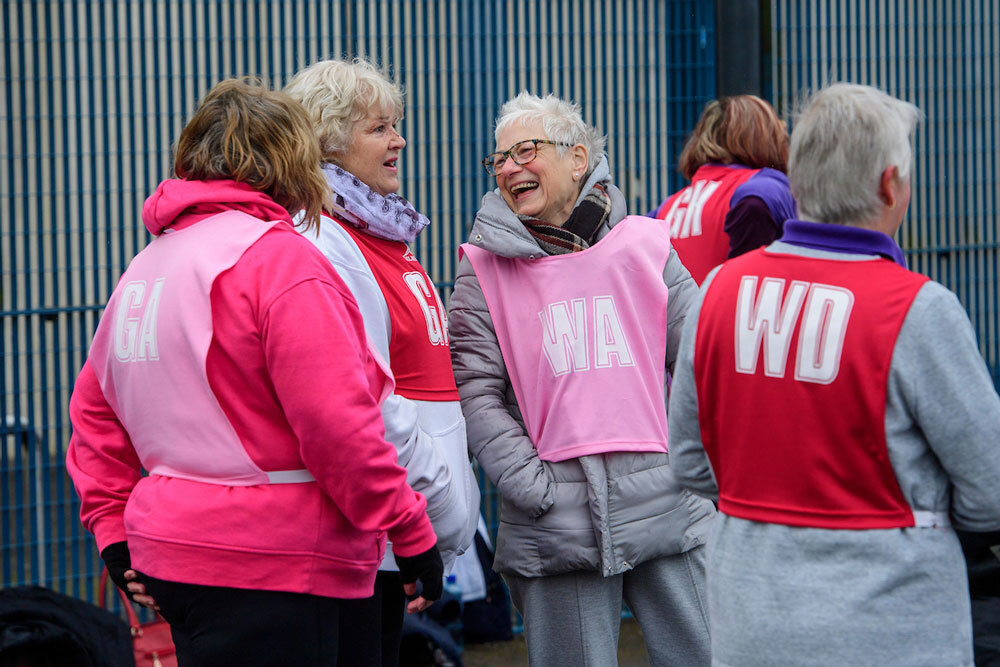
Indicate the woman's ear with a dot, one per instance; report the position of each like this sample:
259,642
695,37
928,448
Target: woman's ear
888,186
579,156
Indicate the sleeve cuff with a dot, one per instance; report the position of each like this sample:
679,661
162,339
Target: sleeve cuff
424,539
109,530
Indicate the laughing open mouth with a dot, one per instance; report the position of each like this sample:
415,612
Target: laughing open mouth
523,186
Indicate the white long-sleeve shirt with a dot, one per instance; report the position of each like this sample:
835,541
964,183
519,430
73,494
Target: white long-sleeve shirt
429,435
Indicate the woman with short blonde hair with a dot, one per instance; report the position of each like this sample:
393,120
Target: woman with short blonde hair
364,232
337,94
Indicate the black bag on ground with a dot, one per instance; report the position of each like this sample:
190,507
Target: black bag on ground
426,643
40,627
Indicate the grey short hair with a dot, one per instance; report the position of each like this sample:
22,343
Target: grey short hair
337,94
841,143
560,119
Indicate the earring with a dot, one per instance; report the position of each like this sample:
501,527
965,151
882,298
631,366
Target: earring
576,177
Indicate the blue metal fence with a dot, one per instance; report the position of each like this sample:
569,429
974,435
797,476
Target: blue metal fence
94,93
945,58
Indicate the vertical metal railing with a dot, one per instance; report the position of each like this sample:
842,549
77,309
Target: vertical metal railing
24,524
945,58
94,94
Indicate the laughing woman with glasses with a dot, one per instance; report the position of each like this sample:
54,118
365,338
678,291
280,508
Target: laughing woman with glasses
565,319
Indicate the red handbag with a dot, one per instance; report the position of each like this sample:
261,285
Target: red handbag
152,644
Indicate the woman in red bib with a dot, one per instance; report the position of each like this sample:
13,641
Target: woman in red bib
837,406
738,198
365,232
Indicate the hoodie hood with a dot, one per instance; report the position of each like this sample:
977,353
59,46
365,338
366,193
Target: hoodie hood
176,200
499,230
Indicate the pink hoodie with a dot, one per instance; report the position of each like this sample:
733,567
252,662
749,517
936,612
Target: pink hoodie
289,368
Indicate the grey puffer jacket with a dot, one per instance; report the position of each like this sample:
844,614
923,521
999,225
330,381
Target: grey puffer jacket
606,512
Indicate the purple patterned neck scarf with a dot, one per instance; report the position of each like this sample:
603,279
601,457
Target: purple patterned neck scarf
390,217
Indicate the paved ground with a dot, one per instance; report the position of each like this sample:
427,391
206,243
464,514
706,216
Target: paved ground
631,651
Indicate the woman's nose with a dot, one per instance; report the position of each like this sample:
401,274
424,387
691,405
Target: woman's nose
398,140
509,167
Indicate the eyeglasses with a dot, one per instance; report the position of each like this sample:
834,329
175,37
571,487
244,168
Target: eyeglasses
521,153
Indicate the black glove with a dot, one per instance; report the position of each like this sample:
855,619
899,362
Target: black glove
117,559
427,567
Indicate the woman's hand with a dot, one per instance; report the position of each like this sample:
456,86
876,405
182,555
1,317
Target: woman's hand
429,571
118,561
137,591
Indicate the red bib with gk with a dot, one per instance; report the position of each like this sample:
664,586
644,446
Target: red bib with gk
697,217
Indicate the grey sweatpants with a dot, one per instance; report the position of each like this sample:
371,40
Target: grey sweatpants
574,618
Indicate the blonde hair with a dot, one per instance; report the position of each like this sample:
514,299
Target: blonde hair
841,144
337,94
743,129
561,121
245,132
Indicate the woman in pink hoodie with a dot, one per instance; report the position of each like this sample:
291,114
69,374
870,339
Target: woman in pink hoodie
231,363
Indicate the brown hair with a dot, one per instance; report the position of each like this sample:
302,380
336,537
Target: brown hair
743,129
260,137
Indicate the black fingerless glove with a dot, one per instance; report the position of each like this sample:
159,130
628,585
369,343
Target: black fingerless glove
117,559
427,567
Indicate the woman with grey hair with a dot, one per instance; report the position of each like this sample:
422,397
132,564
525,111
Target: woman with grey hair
565,319
354,109
835,543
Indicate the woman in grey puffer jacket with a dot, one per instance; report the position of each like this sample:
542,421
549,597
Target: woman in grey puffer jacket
584,523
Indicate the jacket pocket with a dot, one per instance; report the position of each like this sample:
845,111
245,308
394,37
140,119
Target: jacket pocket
560,540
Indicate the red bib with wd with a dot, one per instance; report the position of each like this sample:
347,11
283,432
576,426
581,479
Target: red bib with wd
792,359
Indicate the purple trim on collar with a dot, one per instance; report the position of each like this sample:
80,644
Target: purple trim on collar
734,165
842,238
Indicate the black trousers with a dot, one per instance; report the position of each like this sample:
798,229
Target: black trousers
212,625
387,604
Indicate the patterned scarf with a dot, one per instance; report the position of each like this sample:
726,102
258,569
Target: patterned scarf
579,230
390,217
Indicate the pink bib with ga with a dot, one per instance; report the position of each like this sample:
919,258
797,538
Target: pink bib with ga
151,346
584,339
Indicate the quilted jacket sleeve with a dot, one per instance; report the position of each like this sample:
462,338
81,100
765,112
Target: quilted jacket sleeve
687,453
496,437
682,291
